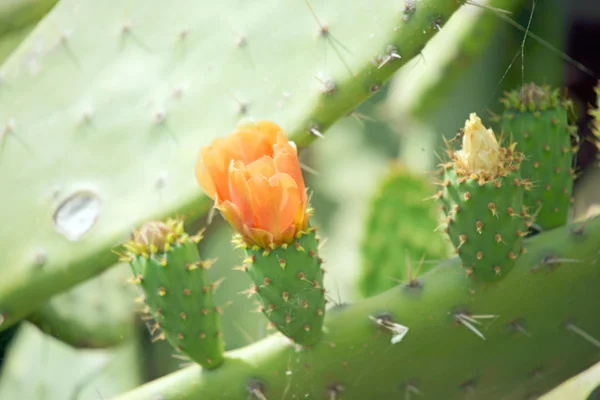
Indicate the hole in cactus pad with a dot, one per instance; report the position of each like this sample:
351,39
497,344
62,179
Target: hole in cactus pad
76,215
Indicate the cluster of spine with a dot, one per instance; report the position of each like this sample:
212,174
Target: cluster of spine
398,232
482,199
536,118
166,265
288,281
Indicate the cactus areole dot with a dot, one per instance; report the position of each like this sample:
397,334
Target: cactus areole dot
255,179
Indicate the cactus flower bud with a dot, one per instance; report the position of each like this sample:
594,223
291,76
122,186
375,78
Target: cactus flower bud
480,153
255,179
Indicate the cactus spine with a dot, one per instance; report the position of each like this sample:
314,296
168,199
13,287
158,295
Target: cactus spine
482,198
166,264
536,119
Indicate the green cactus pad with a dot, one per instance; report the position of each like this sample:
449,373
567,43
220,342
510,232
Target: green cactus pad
485,223
178,295
485,217
537,120
399,232
96,313
288,280
153,84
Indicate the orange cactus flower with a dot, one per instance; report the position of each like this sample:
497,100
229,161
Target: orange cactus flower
254,177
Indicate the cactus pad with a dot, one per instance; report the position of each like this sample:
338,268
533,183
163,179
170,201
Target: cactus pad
482,197
399,231
288,280
167,266
153,84
537,120
96,313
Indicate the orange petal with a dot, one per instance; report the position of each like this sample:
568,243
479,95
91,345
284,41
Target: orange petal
214,162
203,176
232,214
260,193
263,166
287,199
253,141
286,161
240,192
275,202
257,236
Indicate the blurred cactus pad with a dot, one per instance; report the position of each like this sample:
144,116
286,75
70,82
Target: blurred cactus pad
419,220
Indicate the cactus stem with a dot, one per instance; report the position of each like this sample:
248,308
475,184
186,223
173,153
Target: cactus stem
575,329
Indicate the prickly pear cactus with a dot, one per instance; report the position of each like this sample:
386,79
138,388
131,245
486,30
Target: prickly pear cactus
137,82
482,197
165,263
465,340
398,234
97,313
536,118
254,176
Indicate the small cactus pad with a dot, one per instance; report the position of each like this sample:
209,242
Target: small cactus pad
482,195
166,264
288,280
399,232
536,119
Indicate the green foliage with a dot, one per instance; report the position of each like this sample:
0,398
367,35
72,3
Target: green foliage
399,231
288,280
536,119
136,90
97,313
516,347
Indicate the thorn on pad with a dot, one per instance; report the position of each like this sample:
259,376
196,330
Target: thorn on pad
386,321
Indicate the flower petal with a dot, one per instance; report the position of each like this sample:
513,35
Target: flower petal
232,214
286,161
240,192
257,236
213,165
253,141
286,199
262,207
263,166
